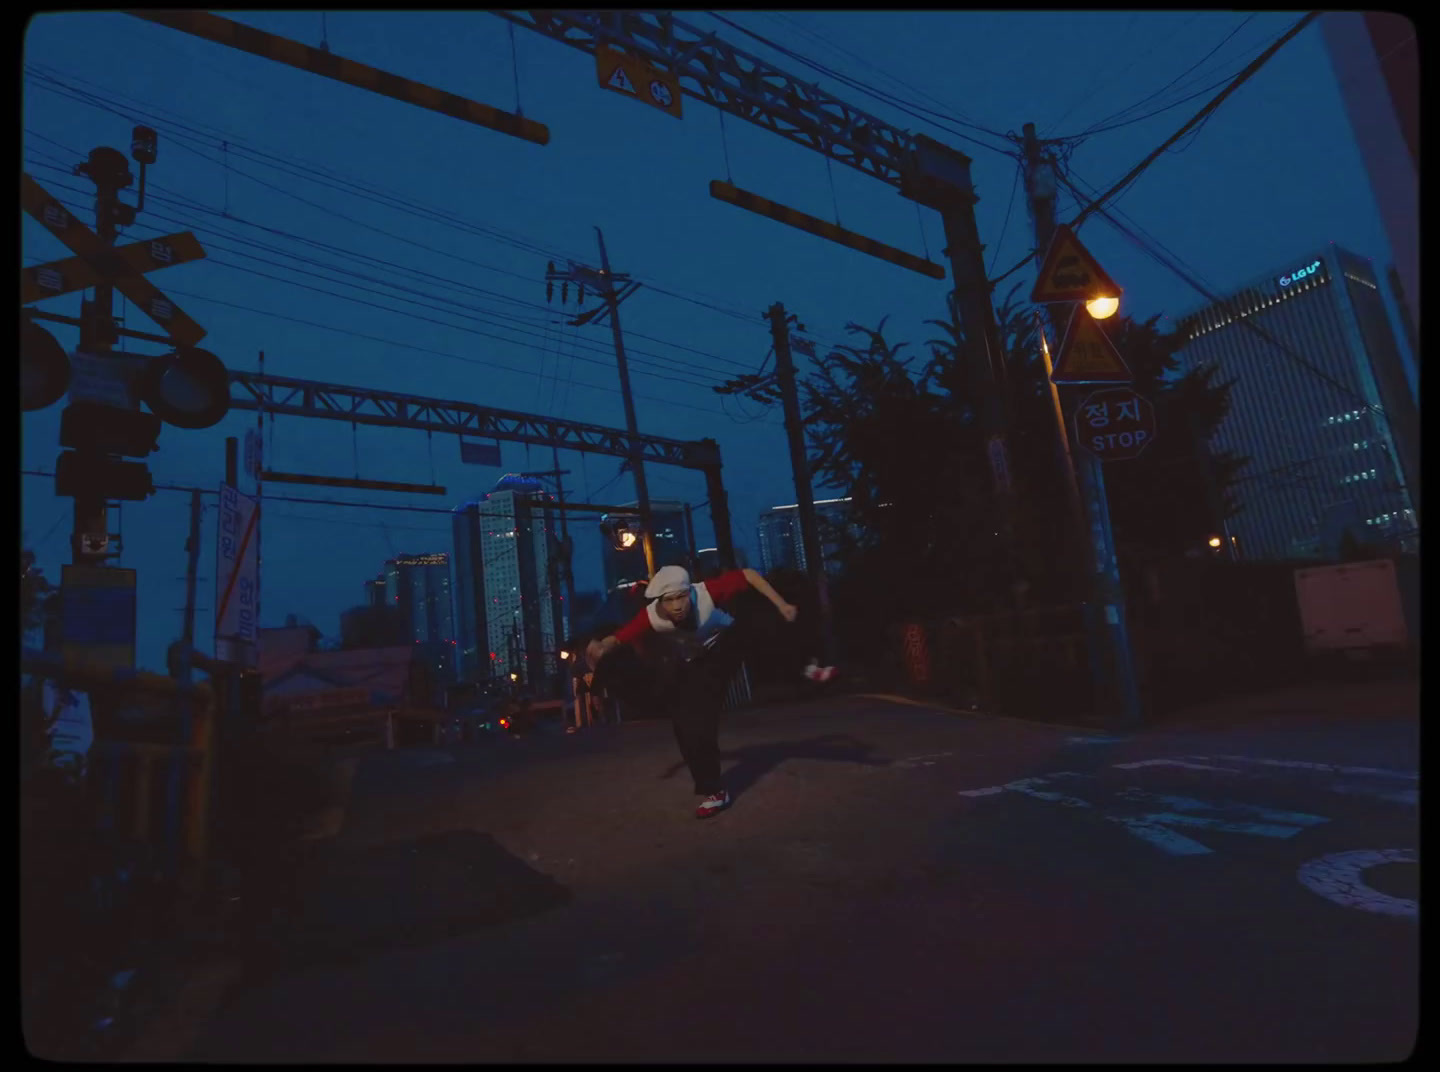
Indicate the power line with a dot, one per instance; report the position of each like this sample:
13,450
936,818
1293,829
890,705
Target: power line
949,110
916,111
648,367
1199,116
399,204
1101,125
1235,84
1204,291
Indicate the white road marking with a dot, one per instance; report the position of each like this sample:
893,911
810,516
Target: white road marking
1157,827
1329,767
1162,837
1170,763
921,761
1338,877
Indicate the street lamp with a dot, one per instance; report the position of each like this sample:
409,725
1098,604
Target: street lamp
1102,308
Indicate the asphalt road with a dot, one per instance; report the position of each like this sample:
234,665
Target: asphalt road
893,883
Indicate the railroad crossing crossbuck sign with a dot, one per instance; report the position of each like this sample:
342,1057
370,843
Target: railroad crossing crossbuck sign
1115,424
121,266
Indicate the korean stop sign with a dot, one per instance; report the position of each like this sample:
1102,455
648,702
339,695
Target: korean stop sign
1115,424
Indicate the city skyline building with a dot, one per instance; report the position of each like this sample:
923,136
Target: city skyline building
1333,447
781,544
419,587
510,611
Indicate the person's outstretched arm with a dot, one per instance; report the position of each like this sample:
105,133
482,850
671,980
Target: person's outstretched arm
629,633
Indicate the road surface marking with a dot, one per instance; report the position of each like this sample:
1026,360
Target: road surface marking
1170,763
1096,740
1158,827
1332,768
1338,877
1162,837
921,761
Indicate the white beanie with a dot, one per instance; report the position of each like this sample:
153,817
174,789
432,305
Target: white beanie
667,581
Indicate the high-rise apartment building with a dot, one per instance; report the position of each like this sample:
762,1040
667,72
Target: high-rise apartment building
510,608
1327,418
418,586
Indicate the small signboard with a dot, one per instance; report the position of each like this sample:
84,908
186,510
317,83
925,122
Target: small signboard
632,76
109,380
97,618
479,453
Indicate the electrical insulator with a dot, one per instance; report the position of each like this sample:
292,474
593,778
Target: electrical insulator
549,291
582,293
565,293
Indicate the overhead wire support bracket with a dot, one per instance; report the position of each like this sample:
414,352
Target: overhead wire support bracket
223,31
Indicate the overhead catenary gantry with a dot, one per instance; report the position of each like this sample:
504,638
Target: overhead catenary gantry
749,88
283,396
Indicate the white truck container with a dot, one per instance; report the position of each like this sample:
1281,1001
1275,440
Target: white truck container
1354,607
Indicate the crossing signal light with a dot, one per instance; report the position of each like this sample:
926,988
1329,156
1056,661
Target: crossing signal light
85,474
44,368
189,388
90,426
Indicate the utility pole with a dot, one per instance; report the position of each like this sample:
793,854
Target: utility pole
604,281
107,169
1105,616
192,567
800,469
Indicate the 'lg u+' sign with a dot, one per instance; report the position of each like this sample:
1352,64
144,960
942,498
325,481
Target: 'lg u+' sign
1295,277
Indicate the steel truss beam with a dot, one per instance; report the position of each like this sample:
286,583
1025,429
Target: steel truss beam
747,87
359,405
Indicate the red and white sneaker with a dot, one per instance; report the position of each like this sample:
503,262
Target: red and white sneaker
817,673
714,804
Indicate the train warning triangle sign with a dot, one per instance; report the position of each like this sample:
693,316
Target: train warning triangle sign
1087,355
621,81
1069,273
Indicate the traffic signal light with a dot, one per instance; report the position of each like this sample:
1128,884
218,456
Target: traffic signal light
99,475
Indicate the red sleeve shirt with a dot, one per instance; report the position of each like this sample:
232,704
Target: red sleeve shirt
635,629
722,588
726,586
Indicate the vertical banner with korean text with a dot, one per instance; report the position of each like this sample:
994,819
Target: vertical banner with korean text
237,573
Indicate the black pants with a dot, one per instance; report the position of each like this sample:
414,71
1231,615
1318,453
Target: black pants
692,694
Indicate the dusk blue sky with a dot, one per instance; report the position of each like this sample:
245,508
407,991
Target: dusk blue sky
1274,175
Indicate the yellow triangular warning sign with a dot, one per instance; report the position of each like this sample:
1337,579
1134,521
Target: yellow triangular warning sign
1070,273
1088,356
621,81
